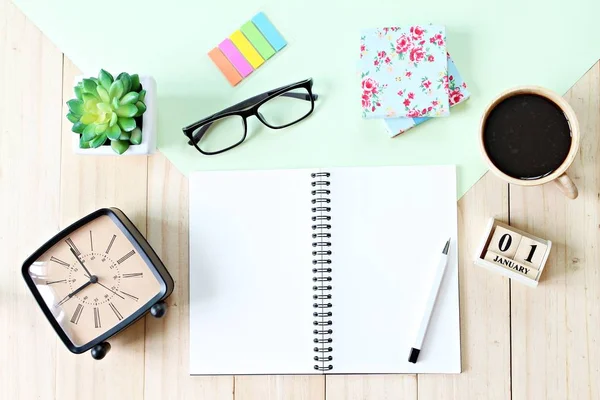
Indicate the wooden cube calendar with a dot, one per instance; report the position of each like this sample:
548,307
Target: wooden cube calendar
513,253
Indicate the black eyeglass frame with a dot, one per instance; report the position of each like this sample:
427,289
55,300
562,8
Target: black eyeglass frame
249,108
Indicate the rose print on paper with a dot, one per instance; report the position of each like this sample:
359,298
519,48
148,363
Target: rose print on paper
413,107
390,29
438,39
402,61
370,96
417,55
443,83
382,59
455,97
426,85
412,44
363,46
454,90
401,47
369,85
417,32
420,54
407,100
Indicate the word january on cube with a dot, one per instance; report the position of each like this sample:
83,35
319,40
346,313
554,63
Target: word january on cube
513,253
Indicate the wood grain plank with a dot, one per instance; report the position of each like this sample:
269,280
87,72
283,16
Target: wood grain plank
484,306
556,327
89,183
30,123
371,387
167,339
277,387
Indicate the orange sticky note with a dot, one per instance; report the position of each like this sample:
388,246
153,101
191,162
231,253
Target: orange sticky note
225,66
247,50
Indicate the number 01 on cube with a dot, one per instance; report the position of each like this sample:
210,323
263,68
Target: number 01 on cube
513,253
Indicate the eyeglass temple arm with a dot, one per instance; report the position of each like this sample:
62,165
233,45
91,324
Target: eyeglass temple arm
247,103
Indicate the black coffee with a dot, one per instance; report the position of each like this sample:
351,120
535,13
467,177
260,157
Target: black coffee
527,136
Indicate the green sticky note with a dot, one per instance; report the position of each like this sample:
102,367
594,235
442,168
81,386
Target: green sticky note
258,40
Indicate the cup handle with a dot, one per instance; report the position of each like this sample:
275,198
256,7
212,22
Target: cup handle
566,185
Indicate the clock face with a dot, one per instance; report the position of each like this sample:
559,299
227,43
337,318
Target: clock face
92,280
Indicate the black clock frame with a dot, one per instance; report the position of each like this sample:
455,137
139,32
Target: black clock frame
141,246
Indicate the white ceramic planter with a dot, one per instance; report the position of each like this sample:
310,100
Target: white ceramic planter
149,126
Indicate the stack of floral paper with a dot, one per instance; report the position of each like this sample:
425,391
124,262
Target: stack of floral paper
407,76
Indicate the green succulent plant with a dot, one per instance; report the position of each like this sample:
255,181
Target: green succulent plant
106,108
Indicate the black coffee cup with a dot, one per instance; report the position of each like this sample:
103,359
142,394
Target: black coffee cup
530,136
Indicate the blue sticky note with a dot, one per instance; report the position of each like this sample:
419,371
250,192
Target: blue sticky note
457,91
402,71
269,31
420,120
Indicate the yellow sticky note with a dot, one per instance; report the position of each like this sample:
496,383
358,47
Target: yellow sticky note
247,50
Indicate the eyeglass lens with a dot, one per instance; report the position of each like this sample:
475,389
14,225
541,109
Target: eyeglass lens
221,134
287,108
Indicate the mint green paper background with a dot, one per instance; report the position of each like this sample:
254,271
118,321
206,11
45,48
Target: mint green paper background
496,44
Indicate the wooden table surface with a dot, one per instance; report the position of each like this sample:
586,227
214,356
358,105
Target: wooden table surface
517,342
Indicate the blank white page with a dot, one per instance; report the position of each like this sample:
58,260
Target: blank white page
251,273
389,226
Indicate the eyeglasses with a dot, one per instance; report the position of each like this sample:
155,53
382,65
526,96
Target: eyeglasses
277,109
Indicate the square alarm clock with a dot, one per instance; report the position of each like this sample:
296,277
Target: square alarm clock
95,278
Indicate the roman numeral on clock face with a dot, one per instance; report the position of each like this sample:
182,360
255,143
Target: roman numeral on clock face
73,247
129,295
77,314
97,323
59,261
117,313
125,257
134,275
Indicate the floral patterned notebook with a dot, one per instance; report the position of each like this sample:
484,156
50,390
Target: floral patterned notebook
402,72
457,93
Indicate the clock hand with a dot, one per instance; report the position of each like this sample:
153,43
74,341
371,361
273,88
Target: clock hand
93,279
89,275
100,283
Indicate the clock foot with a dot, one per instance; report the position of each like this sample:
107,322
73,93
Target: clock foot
99,351
159,309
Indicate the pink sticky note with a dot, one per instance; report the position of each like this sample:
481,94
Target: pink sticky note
235,57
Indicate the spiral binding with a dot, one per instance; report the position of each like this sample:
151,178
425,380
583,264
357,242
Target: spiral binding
322,271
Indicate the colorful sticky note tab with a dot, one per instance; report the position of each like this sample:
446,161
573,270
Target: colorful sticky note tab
269,31
258,40
236,58
225,66
247,50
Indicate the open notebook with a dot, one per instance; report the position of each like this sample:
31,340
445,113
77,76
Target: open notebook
321,270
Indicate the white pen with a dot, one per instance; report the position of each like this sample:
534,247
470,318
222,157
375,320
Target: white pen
435,290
